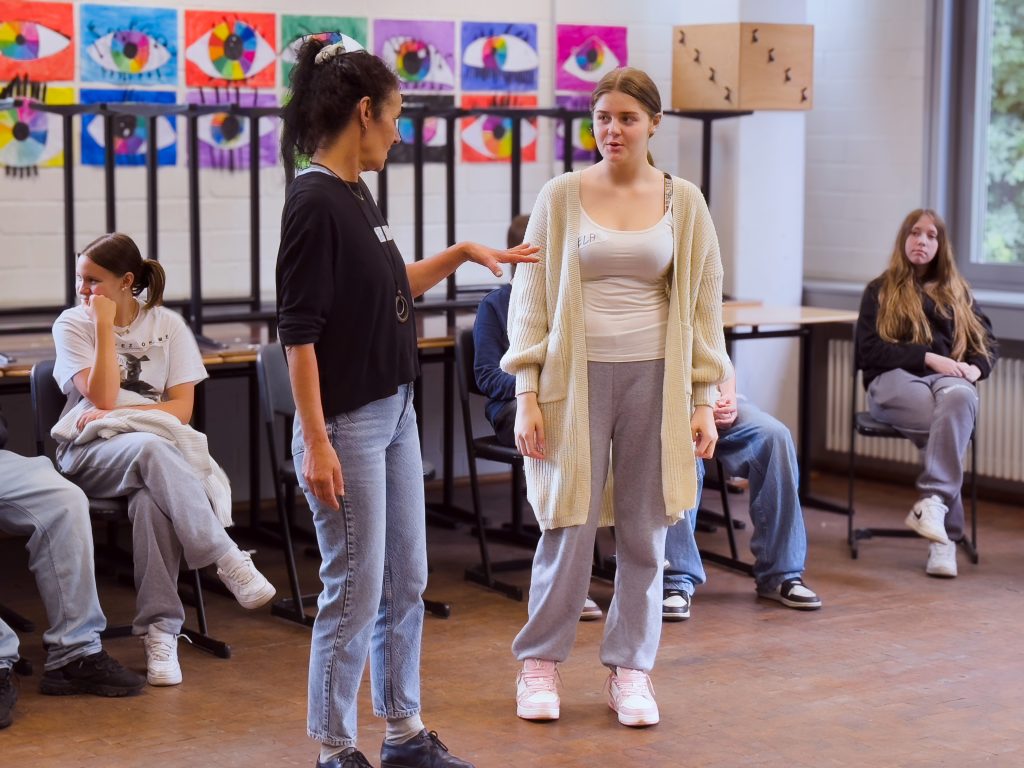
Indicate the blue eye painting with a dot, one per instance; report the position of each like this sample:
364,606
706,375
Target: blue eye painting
499,57
132,135
128,45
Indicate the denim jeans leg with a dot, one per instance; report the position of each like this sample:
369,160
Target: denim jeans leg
355,607
759,447
685,571
39,503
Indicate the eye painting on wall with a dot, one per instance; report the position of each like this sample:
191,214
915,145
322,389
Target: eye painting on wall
499,57
586,54
131,133
36,39
583,143
223,48
488,138
122,44
422,53
224,136
30,138
435,131
333,29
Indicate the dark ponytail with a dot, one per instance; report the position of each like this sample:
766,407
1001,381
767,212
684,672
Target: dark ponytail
324,96
117,253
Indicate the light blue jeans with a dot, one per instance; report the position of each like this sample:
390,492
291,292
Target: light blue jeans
35,501
758,447
374,569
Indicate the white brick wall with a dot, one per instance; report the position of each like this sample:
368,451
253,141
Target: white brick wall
866,133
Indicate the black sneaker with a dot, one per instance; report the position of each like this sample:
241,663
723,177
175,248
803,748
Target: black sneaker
353,759
8,695
675,605
98,674
424,750
793,593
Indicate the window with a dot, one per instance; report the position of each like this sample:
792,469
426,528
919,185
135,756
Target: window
977,136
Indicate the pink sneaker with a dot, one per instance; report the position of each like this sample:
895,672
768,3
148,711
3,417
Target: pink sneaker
631,694
537,690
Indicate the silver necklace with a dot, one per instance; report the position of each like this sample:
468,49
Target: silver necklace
401,303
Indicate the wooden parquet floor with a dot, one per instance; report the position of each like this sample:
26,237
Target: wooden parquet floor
896,670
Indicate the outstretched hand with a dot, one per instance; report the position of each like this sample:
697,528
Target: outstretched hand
493,258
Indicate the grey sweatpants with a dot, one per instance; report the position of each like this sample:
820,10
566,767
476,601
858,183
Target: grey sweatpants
937,413
625,418
169,510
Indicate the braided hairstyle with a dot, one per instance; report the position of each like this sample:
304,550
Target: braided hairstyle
325,91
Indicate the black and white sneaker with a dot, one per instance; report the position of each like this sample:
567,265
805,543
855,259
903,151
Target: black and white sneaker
675,605
793,593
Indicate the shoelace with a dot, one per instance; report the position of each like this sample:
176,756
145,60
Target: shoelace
434,738
242,573
634,684
355,760
541,682
163,651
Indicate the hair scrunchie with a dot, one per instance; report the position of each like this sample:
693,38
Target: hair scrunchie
328,52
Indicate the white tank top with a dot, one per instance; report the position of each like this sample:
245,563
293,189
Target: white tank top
625,289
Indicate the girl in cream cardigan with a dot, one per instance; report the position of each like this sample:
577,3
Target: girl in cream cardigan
616,344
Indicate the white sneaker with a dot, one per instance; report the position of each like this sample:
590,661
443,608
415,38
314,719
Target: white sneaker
161,658
928,518
250,587
941,560
537,690
631,694
591,610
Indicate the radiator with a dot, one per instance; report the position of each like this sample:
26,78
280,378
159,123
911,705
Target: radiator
1000,430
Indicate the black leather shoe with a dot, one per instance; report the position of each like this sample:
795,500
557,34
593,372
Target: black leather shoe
424,750
8,695
349,760
97,673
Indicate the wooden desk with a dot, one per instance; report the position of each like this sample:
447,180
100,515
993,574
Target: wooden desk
746,323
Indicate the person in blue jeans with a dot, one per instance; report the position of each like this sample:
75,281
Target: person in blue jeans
757,446
490,342
35,501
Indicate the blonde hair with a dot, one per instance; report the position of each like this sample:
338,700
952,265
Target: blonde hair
632,82
901,317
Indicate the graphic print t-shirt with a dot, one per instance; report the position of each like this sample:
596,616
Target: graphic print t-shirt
154,353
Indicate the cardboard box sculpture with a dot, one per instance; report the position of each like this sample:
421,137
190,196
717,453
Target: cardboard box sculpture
743,66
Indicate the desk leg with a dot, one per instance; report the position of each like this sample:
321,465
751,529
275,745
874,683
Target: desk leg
449,429
804,417
255,491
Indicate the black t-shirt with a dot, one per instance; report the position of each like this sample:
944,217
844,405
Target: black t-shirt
338,273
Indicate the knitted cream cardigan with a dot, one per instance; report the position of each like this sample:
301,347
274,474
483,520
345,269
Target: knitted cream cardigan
548,351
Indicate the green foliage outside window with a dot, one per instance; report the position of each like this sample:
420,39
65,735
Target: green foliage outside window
1004,221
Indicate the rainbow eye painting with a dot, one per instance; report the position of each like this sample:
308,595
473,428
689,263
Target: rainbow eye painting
230,49
37,41
586,54
295,29
121,44
435,131
420,52
499,57
30,138
224,137
131,135
488,138
583,143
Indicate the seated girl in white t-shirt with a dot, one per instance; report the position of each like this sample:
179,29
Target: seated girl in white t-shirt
111,349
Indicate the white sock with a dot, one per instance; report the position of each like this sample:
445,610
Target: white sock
329,752
401,729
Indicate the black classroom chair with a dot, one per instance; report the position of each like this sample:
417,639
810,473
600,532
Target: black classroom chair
487,447
47,405
861,423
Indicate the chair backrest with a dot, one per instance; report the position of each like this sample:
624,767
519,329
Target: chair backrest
465,355
47,405
276,400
